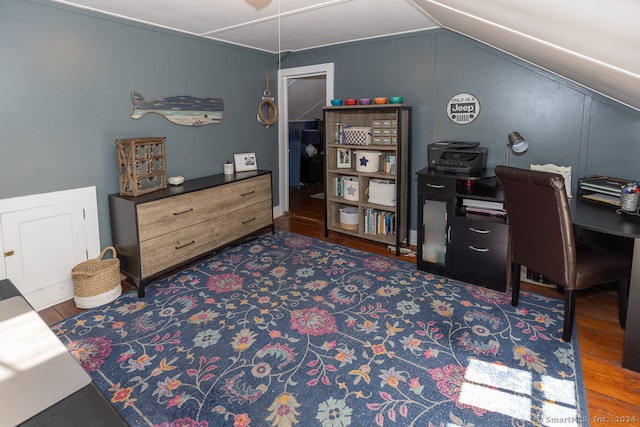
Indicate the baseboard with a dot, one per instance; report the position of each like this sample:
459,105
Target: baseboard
50,295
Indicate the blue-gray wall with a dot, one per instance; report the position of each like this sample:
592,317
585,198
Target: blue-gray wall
564,123
66,78
65,95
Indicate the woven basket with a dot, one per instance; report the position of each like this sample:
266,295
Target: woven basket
97,281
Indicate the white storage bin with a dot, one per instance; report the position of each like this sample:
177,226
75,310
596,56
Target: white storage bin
351,188
349,218
382,192
367,161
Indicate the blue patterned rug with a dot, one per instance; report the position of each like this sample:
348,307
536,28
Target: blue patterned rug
287,330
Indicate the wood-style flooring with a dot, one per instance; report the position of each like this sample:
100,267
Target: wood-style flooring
613,393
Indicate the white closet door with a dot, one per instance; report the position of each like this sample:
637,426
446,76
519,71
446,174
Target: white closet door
42,245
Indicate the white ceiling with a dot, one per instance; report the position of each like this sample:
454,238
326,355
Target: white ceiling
303,24
592,42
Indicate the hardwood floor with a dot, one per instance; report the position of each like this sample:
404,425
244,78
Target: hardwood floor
613,393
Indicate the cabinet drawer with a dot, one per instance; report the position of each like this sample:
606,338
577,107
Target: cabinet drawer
245,221
436,185
244,193
158,253
484,230
171,214
481,262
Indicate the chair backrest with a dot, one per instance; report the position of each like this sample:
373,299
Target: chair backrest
540,226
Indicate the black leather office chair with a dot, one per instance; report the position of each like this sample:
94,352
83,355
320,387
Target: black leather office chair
541,238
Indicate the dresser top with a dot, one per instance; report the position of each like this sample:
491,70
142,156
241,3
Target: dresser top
192,185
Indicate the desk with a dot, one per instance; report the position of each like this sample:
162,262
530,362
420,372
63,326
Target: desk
603,218
84,407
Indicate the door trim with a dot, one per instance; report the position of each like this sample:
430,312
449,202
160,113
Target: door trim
284,75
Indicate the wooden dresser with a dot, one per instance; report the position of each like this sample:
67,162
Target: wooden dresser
157,232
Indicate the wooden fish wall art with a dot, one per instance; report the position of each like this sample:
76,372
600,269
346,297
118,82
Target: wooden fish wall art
182,110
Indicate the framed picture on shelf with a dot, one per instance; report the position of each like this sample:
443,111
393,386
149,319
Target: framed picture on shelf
245,162
343,156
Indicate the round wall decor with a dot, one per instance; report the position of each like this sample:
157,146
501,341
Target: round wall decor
267,109
463,108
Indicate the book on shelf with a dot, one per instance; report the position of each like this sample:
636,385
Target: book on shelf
389,164
377,222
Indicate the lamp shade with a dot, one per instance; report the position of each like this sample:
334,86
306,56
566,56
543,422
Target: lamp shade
517,142
310,136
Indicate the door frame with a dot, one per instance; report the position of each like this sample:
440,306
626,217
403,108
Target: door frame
284,75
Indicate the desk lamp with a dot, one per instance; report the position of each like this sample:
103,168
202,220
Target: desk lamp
516,143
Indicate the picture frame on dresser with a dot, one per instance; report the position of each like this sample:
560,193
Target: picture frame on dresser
245,162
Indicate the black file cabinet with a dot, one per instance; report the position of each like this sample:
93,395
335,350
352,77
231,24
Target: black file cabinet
452,242
311,169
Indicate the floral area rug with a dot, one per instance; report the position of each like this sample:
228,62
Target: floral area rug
287,330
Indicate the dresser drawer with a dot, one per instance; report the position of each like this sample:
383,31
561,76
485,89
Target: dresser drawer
496,230
171,214
178,246
245,221
482,260
244,193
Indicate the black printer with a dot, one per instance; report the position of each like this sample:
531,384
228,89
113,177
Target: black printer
457,156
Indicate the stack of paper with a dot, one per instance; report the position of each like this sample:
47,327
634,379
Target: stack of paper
604,185
602,189
484,207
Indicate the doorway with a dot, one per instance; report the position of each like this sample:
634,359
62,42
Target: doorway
291,82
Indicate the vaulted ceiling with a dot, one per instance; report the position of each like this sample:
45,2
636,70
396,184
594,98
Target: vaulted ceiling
594,43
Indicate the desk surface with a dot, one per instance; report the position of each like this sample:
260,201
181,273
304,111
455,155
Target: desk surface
604,219
84,407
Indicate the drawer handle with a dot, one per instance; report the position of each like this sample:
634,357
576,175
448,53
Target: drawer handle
473,248
183,212
477,230
439,187
246,194
249,220
186,244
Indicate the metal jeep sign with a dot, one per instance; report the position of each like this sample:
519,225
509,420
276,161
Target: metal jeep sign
463,108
